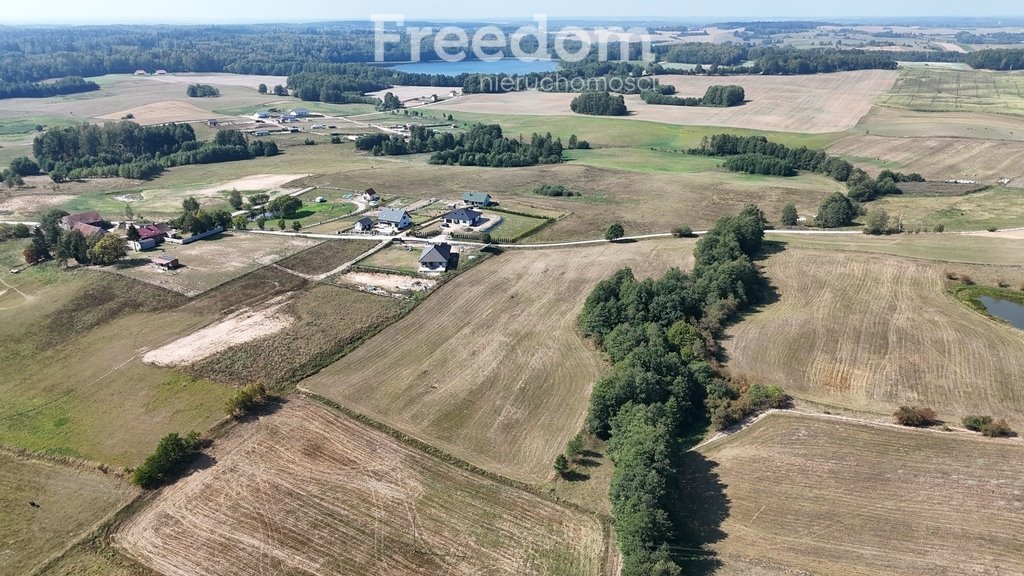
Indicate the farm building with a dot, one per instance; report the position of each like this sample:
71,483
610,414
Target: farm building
261,115
166,262
142,244
140,73
462,217
370,195
91,218
363,225
161,72
152,232
477,198
300,112
435,258
88,230
399,219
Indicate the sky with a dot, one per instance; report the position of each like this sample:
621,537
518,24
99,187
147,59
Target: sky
226,11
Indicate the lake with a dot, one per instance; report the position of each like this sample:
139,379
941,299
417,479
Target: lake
508,66
1005,309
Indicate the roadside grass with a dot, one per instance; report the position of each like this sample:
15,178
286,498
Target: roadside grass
642,160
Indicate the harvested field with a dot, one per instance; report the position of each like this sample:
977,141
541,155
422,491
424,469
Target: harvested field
909,342
240,327
882,121
491,366
945,90
819,103
308,491
985,161
211,262
71,501
327,256
398,258
983,248
819,495
163,112
991,208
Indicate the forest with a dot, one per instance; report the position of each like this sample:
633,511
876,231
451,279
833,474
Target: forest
127,150
661,336
599,104
715,96
68,85
482,145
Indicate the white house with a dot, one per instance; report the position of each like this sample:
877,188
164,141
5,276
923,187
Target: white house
462,217
370,195
300,112
261,115
398,219
434,259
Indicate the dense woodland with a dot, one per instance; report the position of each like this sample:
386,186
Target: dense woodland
482,145
662,337
599,104
127,150
68,85
715,96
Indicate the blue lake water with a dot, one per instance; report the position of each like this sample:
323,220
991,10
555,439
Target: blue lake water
508,66
1005,309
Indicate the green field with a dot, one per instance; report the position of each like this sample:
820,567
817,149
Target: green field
940,247
312,213
992,208
945,90
642,160
513,226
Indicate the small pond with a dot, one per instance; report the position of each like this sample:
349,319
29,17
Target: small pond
1012,312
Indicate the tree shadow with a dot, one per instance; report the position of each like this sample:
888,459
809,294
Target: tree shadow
269,407
575,476
588,462
132,263
700,508
201,462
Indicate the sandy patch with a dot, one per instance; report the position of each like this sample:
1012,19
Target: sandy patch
1012,234
243,326
390,282
950,47
410,92
817,103
23,206
270,183
162,112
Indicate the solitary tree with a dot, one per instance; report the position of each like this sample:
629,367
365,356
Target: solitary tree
835,211
877,222
190,204
107,250
261,223
614,232
789,215
262,88
296,226
129,214
235,198
281,224
561,464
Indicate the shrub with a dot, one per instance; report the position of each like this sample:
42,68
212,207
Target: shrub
246,400
939,228
555,190
976,423
309,142
761,397
988,426
561,464
574,447
789,215
682,232
335,139
914,416
992,229
172,454
614,232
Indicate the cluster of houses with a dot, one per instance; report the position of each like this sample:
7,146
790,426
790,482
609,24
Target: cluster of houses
393,220
91,224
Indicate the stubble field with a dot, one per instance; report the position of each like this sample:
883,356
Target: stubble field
819,495
875,332
308,491
491,367
945,90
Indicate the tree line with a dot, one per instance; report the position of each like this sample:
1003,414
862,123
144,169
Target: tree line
128,150
201,91
770,60
714,96
67,85
482,145
662,337
758,155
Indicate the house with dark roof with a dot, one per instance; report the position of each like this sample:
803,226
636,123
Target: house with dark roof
462,217
151,232
166,262
434,259
91,218
477,199
370,195
398,219
364,224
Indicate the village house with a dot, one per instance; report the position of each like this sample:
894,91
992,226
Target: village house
396,218
435,258
299,112
88,230
91,218
477,199
370,195
152,232
462,217
363,225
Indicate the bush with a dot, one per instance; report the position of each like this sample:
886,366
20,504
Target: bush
172,454
761,397
939,228
561,464
246,400
877,223
614,232
914,416
682,232
789,215
554,190
992,229
988,426
574,447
